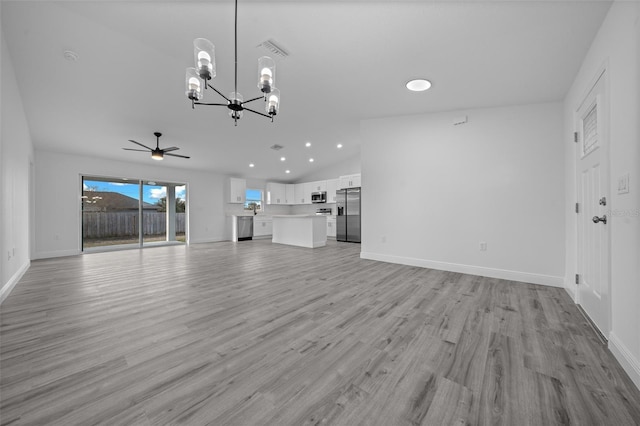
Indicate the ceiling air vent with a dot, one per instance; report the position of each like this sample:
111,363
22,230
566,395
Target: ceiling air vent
274,49
276,147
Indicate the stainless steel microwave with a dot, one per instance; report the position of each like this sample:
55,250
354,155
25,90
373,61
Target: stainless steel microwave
319,197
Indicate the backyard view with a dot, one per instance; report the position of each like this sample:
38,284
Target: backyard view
128,212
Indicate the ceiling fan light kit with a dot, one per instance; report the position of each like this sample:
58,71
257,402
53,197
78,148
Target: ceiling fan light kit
157,153
197,80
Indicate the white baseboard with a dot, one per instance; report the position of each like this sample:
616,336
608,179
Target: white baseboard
482,271
629,363
58,253
571,291
6,289
208,240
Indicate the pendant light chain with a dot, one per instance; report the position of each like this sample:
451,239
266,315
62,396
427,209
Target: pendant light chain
235,88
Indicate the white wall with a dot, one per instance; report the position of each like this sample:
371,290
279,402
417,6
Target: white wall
434,191
57,205
618,45
349,166
16,153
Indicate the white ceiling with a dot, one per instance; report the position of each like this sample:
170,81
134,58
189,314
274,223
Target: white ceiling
348,61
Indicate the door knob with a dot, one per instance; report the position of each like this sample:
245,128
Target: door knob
602,219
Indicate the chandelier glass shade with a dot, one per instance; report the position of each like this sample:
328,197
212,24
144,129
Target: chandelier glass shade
197,80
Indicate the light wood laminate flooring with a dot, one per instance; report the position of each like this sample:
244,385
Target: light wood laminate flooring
255,333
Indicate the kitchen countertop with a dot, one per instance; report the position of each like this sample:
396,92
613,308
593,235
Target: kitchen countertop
269,217
297,215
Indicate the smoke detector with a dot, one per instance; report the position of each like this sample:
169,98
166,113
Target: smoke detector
274,49
276,147
70,55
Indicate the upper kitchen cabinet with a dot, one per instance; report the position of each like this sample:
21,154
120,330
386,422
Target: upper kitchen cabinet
332,187
302,192
302,196
318,186
350,181
237,190
277,193
290,193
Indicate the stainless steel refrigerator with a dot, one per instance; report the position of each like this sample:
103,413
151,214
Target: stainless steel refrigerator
348,215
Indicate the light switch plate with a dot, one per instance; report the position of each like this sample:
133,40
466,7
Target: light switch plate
623,184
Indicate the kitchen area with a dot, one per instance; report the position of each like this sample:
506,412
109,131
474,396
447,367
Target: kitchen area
302,214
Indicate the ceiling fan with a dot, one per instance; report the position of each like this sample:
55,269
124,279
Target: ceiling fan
157,153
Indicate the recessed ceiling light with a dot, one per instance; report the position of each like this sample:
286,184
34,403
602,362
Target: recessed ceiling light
339,145
311,160
252,165
308,144
287,171
282,158
418,85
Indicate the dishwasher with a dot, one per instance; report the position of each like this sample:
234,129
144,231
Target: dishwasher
245,228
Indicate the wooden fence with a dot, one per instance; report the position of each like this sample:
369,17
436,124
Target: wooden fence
121,224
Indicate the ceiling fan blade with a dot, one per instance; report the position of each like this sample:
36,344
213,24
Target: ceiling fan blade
131,149
176,155
144,146
171,148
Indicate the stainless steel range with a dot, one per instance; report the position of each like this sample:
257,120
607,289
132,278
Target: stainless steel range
324,211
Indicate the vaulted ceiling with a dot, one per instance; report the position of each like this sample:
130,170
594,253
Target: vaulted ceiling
348,61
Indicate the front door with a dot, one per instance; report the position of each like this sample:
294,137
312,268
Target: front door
594,220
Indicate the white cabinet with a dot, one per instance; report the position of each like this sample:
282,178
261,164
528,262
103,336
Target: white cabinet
303,193
331,226
350,181
318,186
281,193
237,190
332,187
262,226
276,193
299,193
308,189
290,193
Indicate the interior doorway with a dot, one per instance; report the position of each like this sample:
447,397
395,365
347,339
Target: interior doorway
592,180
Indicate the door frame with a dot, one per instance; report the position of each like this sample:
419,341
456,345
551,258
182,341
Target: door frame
141,182
602,72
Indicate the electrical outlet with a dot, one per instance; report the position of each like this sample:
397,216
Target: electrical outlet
483,246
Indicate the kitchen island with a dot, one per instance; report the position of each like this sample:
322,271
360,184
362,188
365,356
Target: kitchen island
301,230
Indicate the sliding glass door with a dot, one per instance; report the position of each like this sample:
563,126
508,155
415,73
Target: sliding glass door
131,212
166,222
110,212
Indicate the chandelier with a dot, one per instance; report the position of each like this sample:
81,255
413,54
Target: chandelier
205,70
